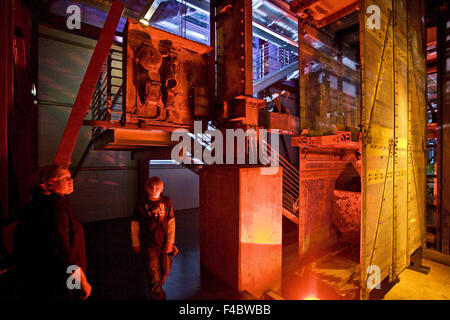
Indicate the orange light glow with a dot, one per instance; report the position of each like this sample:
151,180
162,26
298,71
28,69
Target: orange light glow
311,297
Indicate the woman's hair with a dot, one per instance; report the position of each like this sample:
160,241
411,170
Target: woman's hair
40,183
153,181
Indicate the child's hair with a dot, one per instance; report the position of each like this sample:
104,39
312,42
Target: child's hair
153,181
40,183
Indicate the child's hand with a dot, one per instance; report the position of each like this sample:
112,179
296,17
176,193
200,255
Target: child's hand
137,249
169,247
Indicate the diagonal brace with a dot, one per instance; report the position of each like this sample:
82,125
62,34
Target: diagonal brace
83,100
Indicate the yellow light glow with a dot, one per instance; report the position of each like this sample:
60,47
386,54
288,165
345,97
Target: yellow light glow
143,21
311,297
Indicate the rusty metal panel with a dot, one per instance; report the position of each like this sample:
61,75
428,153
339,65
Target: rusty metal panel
167,76
393,123
234,59
325,169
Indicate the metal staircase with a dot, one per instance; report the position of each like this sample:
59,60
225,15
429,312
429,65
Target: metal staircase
271,64
290,173
290,183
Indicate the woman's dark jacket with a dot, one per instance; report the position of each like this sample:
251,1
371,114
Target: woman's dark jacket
48,240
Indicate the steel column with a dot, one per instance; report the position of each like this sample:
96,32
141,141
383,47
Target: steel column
231,23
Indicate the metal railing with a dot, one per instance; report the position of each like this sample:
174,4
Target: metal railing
290,178
290,173
269,58
107,100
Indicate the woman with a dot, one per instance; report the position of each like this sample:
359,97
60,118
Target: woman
49,244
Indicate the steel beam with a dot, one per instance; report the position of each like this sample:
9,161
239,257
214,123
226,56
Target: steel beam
274,37
83,100
339,14
274,77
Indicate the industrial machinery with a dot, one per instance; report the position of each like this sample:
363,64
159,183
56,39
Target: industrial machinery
359,186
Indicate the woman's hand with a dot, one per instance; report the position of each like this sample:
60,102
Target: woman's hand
86,289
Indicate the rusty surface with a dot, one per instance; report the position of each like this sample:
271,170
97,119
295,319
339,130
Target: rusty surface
284,122
341,140
347,215
167,76
322,171
232,26
323,12
241,227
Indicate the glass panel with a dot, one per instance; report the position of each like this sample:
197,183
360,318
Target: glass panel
275,45
330,86
189,19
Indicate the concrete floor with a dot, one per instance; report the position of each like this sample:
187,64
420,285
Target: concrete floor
417,286
116,272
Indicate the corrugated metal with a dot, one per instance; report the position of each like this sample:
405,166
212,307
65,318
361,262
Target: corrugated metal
393,110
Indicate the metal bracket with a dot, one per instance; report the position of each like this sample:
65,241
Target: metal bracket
416,262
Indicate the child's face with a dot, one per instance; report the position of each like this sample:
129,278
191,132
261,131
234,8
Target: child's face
154,191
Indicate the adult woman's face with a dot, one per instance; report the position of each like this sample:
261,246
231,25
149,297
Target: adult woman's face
62,182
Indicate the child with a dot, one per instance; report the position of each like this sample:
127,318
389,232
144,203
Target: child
153,235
